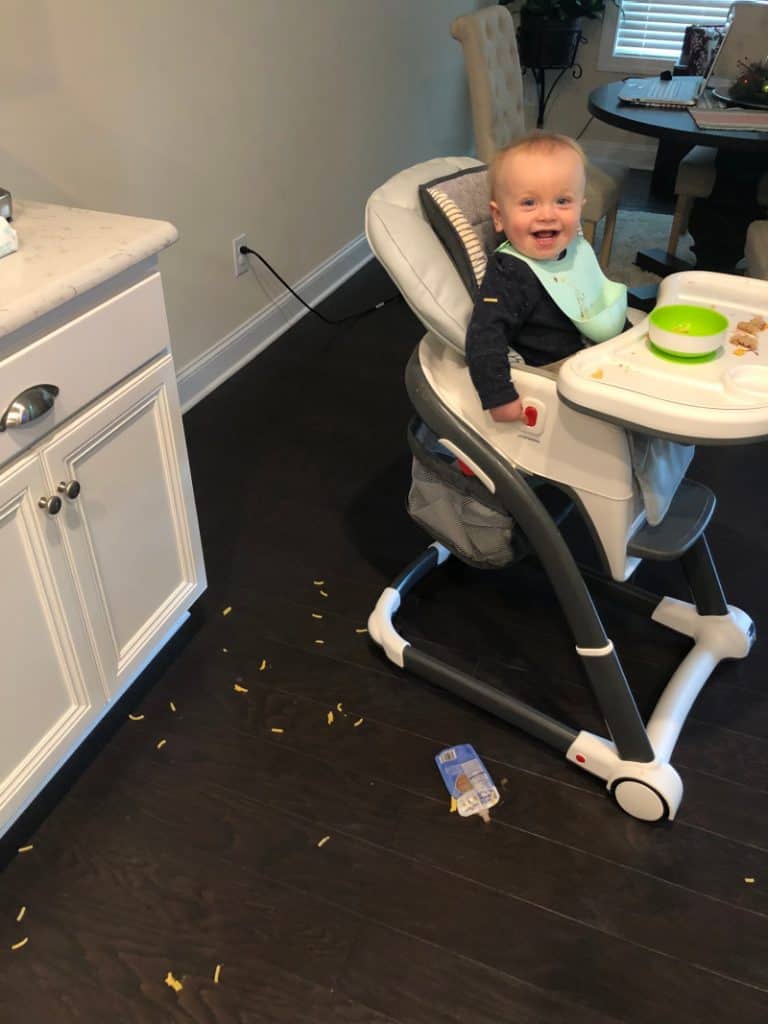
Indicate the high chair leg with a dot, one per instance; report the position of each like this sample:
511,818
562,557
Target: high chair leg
588,230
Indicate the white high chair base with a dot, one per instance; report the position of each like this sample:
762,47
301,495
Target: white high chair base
650,790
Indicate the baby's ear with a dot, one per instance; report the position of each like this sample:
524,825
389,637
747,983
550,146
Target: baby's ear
495,215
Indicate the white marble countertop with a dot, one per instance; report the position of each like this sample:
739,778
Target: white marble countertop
64,251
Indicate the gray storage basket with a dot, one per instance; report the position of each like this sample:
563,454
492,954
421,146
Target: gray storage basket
457,510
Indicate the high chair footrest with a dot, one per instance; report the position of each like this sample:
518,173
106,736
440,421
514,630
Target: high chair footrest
687,518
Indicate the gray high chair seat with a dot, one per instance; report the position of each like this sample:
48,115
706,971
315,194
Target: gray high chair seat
587,458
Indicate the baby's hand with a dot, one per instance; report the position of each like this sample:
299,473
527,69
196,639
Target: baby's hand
508,413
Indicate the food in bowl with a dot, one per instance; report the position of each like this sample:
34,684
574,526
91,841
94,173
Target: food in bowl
687,332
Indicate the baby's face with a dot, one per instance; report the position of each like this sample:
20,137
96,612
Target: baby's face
538,201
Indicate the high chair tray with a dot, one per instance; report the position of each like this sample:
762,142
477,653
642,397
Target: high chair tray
720,401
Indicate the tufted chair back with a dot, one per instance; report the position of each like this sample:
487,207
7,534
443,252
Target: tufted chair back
494,76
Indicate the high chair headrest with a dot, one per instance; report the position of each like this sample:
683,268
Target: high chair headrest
403,240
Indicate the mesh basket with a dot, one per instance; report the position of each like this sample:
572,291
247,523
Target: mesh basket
471,530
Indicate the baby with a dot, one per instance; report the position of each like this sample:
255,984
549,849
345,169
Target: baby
543,289
544,293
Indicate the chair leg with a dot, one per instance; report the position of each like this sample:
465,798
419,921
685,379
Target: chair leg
679,223
608,231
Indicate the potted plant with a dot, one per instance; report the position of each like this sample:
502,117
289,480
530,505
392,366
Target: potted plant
550,30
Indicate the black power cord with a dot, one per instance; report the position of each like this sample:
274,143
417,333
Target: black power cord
247,251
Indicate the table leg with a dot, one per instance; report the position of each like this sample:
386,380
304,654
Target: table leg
668,157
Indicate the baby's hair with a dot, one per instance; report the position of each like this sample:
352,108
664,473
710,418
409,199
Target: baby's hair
537,141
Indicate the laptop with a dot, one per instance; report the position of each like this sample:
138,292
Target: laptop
678,93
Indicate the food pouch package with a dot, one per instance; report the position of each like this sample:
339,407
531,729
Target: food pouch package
467,780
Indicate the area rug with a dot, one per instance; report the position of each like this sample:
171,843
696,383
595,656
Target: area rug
635,230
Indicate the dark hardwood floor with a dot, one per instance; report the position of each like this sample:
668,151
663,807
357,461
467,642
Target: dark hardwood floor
206,852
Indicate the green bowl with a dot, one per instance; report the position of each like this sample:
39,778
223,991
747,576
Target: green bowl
687,332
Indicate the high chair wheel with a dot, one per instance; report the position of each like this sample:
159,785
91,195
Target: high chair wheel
640,800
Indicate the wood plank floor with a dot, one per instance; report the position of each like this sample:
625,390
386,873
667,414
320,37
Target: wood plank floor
206,852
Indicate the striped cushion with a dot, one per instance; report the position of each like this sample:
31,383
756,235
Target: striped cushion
457,208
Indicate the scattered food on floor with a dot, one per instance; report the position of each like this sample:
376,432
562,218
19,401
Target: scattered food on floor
173,983
318,583
227,610
323,841
263,664
340,708
319,641
316,615
323,593
161,744
453,805
225,650
21,913
277,730
240,689
136,718
749,881
23,942
329,718
358,722
217,974
362,630
171,705
26,849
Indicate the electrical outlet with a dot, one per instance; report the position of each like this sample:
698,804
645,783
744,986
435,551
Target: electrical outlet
240,261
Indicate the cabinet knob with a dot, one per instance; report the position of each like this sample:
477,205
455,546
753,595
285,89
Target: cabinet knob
51,505
71,489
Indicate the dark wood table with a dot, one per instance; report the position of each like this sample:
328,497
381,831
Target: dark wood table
678,133
675,125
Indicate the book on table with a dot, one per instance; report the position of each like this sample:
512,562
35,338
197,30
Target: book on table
711,113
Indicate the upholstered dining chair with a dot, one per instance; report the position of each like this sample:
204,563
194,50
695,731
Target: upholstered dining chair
756,249
495,82
695,180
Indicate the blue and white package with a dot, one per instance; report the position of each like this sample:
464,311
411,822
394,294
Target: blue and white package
467,780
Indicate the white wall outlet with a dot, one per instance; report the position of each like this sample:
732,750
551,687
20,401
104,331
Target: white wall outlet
240,261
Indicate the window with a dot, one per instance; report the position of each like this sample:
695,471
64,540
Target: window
648,34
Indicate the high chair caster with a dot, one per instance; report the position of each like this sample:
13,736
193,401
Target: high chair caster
640,800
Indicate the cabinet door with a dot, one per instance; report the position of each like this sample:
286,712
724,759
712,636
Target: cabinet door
132,530
49,689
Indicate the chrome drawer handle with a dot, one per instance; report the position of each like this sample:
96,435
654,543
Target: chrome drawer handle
29,405
51,505
71,489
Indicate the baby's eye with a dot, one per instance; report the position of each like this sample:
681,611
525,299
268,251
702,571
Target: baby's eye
528,202
564,201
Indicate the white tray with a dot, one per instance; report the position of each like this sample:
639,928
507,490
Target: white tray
721,401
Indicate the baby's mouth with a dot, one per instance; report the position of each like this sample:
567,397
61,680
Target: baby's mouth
545,234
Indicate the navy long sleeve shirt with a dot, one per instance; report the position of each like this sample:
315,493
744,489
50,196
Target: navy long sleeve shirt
513,310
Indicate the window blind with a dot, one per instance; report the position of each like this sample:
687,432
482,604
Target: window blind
655,28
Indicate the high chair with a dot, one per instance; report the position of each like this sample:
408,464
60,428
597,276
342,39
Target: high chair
574,436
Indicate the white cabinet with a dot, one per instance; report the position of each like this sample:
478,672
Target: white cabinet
99,543
49,687
129,532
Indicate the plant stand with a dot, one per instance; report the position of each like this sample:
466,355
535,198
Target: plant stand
546,45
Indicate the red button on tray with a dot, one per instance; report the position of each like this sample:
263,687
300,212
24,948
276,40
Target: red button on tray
531,414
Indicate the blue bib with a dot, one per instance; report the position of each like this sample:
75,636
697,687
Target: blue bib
596,306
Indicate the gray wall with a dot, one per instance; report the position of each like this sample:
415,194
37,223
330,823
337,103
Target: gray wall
271,117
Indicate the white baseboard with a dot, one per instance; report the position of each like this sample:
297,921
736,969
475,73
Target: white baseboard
629,154
226,357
